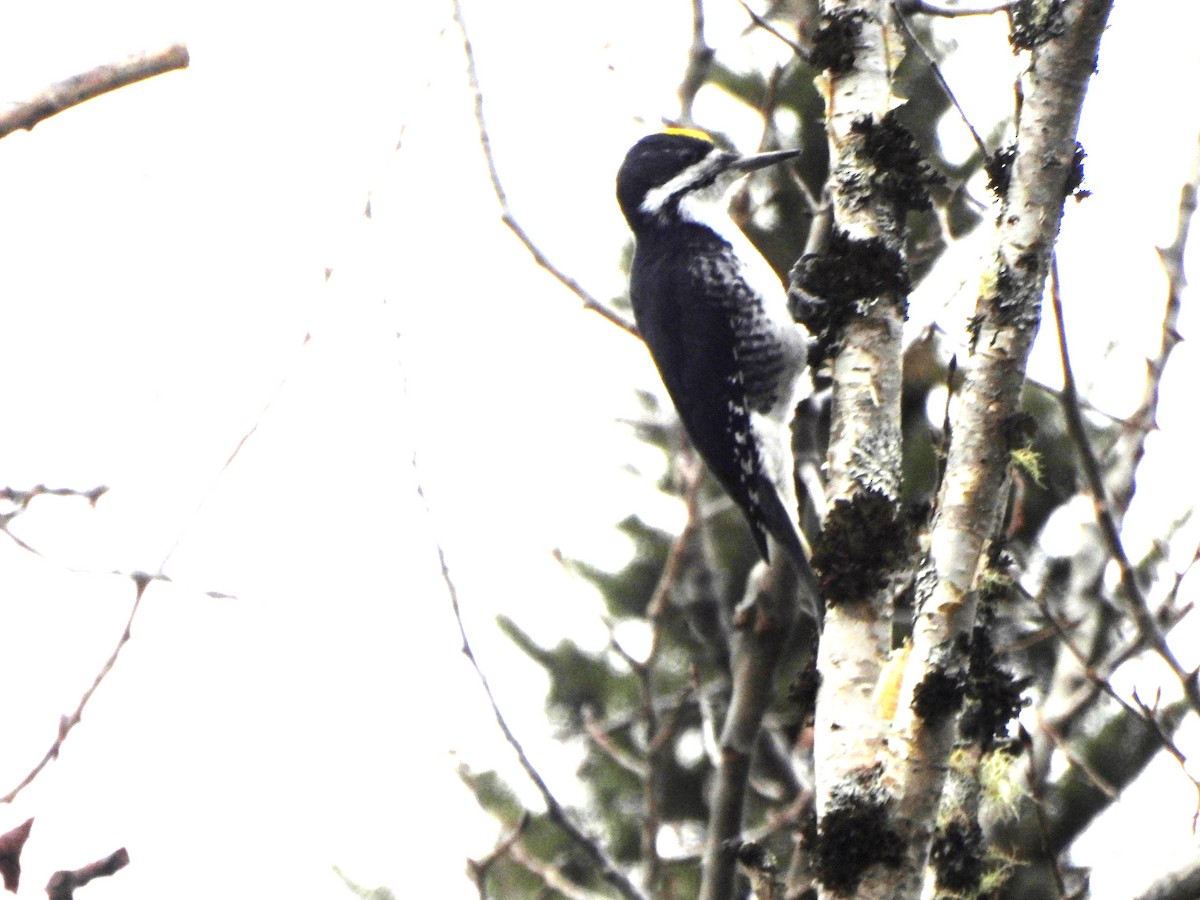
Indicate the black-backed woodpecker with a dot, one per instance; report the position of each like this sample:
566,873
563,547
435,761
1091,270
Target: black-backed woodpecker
714,315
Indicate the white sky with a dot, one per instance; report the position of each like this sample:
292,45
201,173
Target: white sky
165,256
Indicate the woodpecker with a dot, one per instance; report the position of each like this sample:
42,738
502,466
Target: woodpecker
715,318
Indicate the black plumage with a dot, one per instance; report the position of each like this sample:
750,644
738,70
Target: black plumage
714,318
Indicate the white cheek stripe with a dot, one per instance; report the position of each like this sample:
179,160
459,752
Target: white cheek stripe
657,198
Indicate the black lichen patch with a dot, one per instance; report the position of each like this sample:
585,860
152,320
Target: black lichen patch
855,834
901,174
803,689
1035,22
997,586
827,288
939,694
822,318
974,329
993,692
834,41
957,856
1018,431
999,170
863,540
853,270
1075,176
1017,292
752,855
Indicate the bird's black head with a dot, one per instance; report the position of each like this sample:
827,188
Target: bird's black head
662,168
655,160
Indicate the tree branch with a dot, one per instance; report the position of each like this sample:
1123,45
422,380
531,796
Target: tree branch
62,884
970,501
66,723
700,57
557,813
1182,884
770,29
763,621
924,7
62,95
506,213
1136,600
863,462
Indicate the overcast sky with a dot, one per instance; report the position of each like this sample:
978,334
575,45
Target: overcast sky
166,251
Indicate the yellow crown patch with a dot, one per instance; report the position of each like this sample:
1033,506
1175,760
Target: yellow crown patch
690,132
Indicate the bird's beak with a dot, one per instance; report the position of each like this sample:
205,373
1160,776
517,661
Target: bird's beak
762,160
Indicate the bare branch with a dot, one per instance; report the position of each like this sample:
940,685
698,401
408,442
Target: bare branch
12,842
1102,683
1182,884
766,26
1138,604
764,621
1122,462
970,500
66,723
63,95
700,57
62,884
558,814
602,738
1034,784
478,869
1077,759
21,499
237,449
924,7
1172,263
941,79
658,734
551,876
506,213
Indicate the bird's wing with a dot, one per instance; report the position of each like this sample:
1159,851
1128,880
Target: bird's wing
720,364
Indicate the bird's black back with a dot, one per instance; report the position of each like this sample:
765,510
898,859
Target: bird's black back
719,359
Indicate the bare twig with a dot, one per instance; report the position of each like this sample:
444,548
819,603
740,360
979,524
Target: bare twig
790,815
1138,605
1172,262
478,869
937,73
558,814
700,57
692,471
602,738
506,213
551,876
1101,681
6,521
66,723
235,452
1076,759
766,26
924,7
1034,784
658,735
62,884
21,499
708,720
63,95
